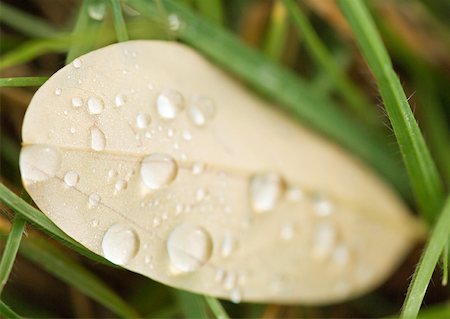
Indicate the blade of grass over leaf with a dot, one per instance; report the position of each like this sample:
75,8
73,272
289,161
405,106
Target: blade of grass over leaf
7,312
10,251
192,305
277,33
23,81
425,181
283,86
427,264
216,307
212,9
119,22
323,58
34,216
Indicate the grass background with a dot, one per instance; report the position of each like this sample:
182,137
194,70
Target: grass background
371,75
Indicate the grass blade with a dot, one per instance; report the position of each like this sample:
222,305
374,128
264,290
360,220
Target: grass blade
425,181
277,33
10,251
23,81
427,264
6,312
212,9
192,305
216,308
119,22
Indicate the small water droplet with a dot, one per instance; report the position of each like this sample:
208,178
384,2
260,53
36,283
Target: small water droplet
197,168
170,132
322,205
187,136
94,200
95,105
201,110
77,101
229,282
120,244
174,22
158,170
200,194
324,239
98,139
287,231
120,100
143,120
71,178
219,276
228,245
97,10
265,191
179,209
76,63
156,221
39,162
120,185
235,296
72,130
189,247
94,223
294,194
340,255
169,103
112,173
58,91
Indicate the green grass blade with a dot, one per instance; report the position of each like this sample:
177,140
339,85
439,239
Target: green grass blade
277,33
119,22
445,265
23,81
69,271
10,251
212,9
282,86
192,305
25,23
323,58
425,181
427,264
216,308
37,218
6,312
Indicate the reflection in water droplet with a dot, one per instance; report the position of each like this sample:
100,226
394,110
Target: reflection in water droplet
97,10
98,139
95,105
71,178
189,247
265,191
142,120
158,170
201,110
324,239
39,162
169,103
120,100
120,244
76,63
77,102
94,200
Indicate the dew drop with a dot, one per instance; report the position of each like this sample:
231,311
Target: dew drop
112,173
189,247
265,191
97,10
229,281
39,162
201,110
58,91
187,136
95,105
120,185
120,244
94,223
71,178
200,194
169,103
324,239
120,100
228,245
77,102
294,194
142,120
98,139
158,170
76,63
340,255
235,296
94,200
174,22
197,168
287,231
322,205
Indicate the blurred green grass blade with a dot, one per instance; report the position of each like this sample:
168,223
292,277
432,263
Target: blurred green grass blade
23,81
212,9
25,23
282,86
424,178
323,58
216,308
192,305
277,33
10,250
439,311
119,22
69,271
445,254
6,312
427,264
37,218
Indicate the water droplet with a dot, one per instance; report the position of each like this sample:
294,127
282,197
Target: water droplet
189,247
294,194
174,22
340,255
58,91
229,282
71,178
120,100
39,163
120,185
322,205
120,244
72,130
201,110
324,239
169,103
156,221
265,191
77,102
94,200
200,194
158,170
95,105
143,120
179,209
287,231
98,139
219,275
76,63
187,136
97,10
170,132
228,245
94,223
235,296
197,168
112,173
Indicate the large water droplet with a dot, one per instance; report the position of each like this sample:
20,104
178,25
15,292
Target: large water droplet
71,178
265,191
97,10
189,247
169,103
39,162
98,139
158,170
120,244
201,110
143,120
95,105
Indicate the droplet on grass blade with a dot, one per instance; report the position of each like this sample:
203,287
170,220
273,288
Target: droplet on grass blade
325,228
